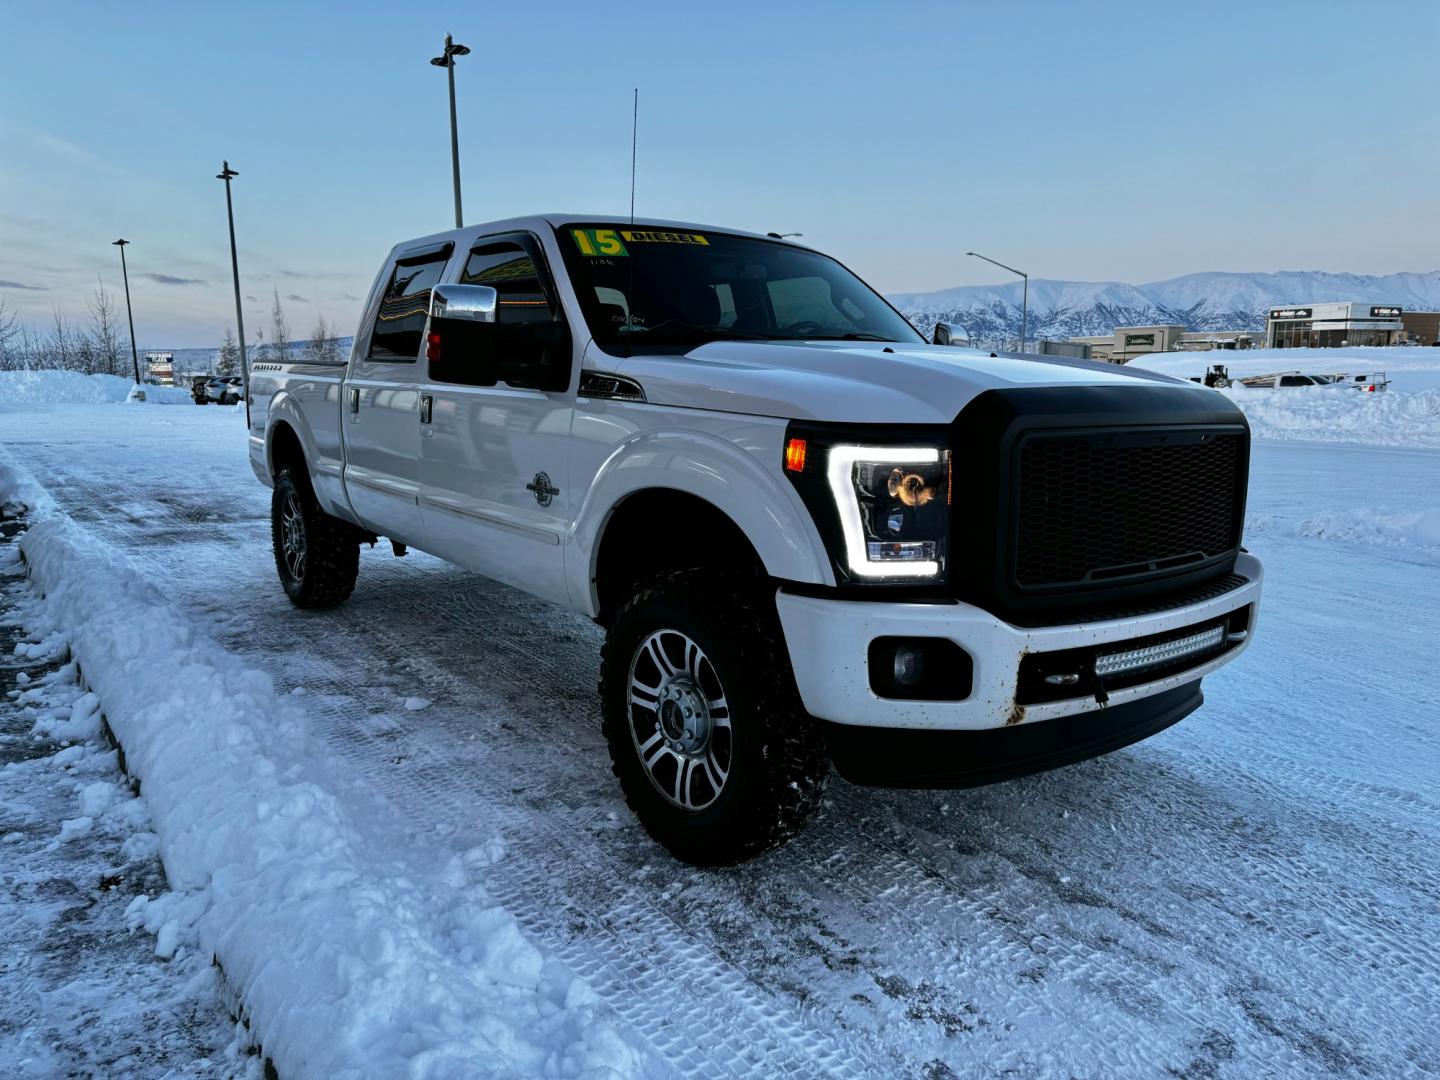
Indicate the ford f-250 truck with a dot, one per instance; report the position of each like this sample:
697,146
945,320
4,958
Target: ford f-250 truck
810,535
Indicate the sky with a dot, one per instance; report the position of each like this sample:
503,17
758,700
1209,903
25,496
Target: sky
1085,141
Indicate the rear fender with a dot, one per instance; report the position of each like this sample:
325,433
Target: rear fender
324,464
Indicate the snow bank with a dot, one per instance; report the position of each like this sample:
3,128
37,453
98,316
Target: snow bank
1408,414
357,950
42,387
1421,529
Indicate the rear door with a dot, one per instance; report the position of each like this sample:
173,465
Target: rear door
495,494
382,398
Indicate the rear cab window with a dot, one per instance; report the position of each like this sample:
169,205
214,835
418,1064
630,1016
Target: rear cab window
399,325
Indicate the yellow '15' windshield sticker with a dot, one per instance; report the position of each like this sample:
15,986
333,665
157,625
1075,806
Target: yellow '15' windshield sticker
612,241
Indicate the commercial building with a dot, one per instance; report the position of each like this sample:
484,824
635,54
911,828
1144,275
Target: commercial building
1322,326
1420,327
1128,342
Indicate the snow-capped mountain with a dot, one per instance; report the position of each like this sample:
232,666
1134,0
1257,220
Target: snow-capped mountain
1206,301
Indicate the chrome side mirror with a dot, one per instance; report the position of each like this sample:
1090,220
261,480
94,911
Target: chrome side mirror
468,303
951,334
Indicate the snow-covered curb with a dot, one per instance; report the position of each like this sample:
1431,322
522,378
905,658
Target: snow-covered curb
356,950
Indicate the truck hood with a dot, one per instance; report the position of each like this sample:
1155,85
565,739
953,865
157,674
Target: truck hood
855,382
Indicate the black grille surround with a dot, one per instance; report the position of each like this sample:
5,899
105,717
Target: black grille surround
1073,497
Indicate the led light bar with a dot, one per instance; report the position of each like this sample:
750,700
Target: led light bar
1163,653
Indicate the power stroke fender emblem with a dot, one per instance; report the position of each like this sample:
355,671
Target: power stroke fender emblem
545,491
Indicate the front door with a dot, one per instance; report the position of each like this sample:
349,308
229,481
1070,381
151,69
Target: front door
381,402
494,484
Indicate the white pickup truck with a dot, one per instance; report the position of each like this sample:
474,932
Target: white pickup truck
810,535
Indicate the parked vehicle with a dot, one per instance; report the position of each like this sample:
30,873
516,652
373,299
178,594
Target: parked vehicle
810,535
224,391
1286,380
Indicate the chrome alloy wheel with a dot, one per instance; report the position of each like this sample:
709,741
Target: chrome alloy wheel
292,535
679,720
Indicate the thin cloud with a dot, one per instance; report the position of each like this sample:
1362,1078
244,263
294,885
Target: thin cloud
170,279
297,298
22,285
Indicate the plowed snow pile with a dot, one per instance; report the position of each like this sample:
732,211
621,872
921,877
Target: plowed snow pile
1407,414
294,874
40,387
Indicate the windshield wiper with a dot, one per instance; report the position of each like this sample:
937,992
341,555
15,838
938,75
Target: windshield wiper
854,335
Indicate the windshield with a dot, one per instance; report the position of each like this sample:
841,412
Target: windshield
643,286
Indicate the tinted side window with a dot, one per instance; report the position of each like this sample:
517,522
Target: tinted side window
509,269
400,322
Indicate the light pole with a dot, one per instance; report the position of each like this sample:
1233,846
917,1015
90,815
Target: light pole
447,61
1024,304
226,173
125,273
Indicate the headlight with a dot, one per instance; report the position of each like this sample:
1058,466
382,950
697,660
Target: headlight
894,505
883,510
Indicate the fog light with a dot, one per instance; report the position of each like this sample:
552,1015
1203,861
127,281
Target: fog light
909,666
919,669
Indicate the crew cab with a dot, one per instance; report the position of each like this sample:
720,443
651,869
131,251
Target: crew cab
811,536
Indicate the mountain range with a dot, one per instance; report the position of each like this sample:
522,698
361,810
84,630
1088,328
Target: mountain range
1207,301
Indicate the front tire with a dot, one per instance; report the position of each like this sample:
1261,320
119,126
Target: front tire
713,749
317,556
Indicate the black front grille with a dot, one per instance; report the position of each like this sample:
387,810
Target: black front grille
1097,507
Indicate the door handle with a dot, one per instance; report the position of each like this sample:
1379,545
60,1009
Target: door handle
354,399
427,403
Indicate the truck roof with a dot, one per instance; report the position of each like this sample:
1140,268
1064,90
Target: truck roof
534,221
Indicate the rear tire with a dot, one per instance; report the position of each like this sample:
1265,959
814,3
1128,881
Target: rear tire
709,740
317,556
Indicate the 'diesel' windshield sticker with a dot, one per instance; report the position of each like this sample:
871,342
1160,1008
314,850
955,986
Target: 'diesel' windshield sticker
613,241
653,237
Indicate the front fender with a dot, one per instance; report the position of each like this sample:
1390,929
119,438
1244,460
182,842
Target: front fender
730,477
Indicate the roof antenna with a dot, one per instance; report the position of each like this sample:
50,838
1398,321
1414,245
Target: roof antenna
630,263
634,128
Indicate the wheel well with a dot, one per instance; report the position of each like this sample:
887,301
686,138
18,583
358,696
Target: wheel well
286,449
660,529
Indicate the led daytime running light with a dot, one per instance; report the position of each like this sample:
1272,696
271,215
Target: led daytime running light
839,470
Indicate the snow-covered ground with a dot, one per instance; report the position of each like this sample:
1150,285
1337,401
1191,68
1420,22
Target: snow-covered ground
1252,892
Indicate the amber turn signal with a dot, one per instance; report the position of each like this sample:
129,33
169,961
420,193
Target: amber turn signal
795,455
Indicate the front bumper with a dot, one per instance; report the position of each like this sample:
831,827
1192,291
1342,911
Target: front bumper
829,640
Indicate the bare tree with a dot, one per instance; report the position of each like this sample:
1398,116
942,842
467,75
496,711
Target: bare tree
9,334
279,332
60,346
227,360
323,346
107,336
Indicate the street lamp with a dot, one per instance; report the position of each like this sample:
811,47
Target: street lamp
226,173
1025,303
125,272
447,61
